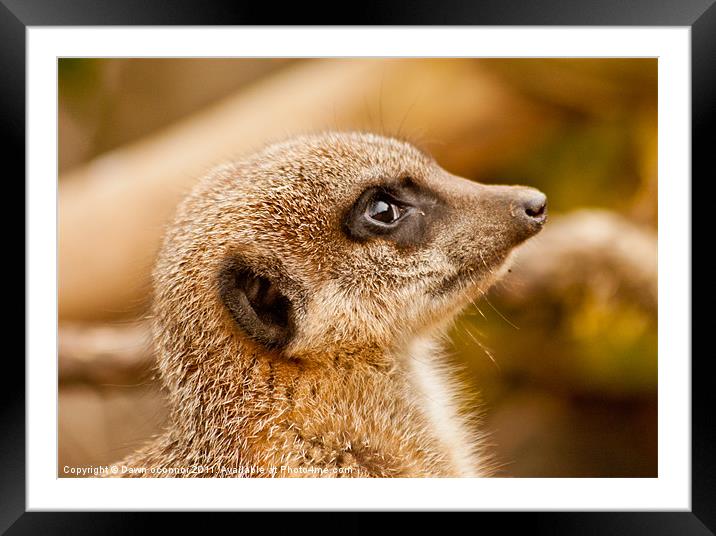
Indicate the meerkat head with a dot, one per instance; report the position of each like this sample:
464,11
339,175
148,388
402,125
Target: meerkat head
333,243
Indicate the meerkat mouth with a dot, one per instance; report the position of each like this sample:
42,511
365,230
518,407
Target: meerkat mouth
460,280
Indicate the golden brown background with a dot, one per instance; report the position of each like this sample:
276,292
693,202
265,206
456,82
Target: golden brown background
564,352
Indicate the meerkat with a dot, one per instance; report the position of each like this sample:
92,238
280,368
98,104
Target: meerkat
299,297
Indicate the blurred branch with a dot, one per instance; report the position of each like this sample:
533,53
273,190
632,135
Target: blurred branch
110,353
588,249
594,249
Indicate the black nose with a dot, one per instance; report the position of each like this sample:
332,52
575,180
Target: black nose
535,205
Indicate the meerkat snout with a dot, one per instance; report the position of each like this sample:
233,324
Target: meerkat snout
298,293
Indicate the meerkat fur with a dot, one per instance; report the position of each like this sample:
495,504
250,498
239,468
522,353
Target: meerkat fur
299,299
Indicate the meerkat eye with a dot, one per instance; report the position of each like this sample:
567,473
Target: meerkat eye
400,212
384,210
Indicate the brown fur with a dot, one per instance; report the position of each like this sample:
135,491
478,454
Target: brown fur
352,388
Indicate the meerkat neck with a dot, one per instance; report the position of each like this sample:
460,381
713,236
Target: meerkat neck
369,420
286,415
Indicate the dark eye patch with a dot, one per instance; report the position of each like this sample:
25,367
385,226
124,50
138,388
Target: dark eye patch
397,211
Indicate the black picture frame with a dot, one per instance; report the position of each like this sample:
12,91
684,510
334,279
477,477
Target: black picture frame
699,15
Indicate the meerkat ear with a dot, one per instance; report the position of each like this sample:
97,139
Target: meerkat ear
257,305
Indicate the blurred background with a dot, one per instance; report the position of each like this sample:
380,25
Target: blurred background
563,352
